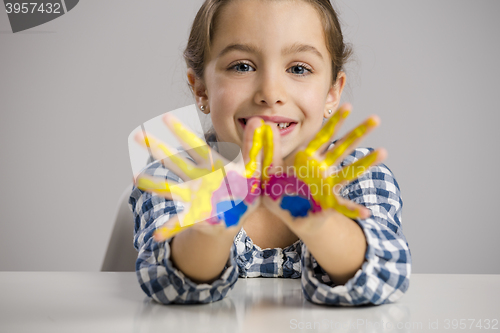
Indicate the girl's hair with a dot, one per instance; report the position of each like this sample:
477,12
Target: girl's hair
202,34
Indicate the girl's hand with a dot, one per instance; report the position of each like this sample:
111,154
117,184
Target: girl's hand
217,194
304,189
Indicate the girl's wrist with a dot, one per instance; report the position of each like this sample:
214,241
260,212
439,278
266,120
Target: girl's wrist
339,245
201,256
317,226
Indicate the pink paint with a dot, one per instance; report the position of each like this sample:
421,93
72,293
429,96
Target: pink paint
276,187
279,185
240,187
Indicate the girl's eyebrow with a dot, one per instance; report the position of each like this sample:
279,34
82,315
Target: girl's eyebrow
294,48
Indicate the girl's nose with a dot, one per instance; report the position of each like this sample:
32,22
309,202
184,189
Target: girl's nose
271,89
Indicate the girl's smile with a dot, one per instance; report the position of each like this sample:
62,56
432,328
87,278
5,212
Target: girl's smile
268,59
285,125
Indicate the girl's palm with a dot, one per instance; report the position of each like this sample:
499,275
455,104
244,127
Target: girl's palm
304,188
217,194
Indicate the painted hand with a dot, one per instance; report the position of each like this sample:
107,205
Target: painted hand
304,189
217,194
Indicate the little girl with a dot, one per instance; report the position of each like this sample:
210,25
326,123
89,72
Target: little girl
279,62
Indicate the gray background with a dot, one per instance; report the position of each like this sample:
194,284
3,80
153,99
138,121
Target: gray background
73,89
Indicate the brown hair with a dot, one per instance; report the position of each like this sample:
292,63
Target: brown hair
202,34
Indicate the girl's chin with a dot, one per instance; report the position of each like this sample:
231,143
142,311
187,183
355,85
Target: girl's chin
286,147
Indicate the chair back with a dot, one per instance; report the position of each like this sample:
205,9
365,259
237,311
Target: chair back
121,254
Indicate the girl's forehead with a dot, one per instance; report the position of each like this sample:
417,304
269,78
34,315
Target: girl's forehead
268,25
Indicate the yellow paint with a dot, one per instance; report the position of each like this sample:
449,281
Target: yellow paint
211,160
189,169
200,203
191,139
254,187
322,187
326,132
257,143
340,147
356,169
163,233
151,143
267,137
209,181
162,187
200,207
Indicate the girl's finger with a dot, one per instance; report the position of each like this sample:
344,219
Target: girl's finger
351,209
356,169
324,137
271,159
165,189
156,147
170,157
350,141
253,146
171,228
196,147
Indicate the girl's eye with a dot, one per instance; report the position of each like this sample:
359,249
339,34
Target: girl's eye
241,67
299,70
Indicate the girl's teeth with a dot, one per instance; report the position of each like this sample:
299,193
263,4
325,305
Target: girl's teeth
279,125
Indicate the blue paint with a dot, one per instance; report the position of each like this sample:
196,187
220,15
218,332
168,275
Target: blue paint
231,215
296,205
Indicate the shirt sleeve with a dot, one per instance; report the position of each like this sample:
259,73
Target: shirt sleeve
385,274
157,276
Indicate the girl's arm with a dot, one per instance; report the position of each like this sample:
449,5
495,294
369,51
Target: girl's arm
380,269
158,277
345,261
339,246
200,256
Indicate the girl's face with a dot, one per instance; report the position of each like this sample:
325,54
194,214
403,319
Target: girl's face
268,59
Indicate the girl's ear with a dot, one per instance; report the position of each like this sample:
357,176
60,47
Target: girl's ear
199,91
334,94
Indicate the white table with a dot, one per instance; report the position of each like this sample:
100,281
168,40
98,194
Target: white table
92,302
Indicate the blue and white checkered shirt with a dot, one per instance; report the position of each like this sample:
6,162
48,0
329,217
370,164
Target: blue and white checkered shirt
383,278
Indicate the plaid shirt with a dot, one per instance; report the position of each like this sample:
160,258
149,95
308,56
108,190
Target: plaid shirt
383,277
